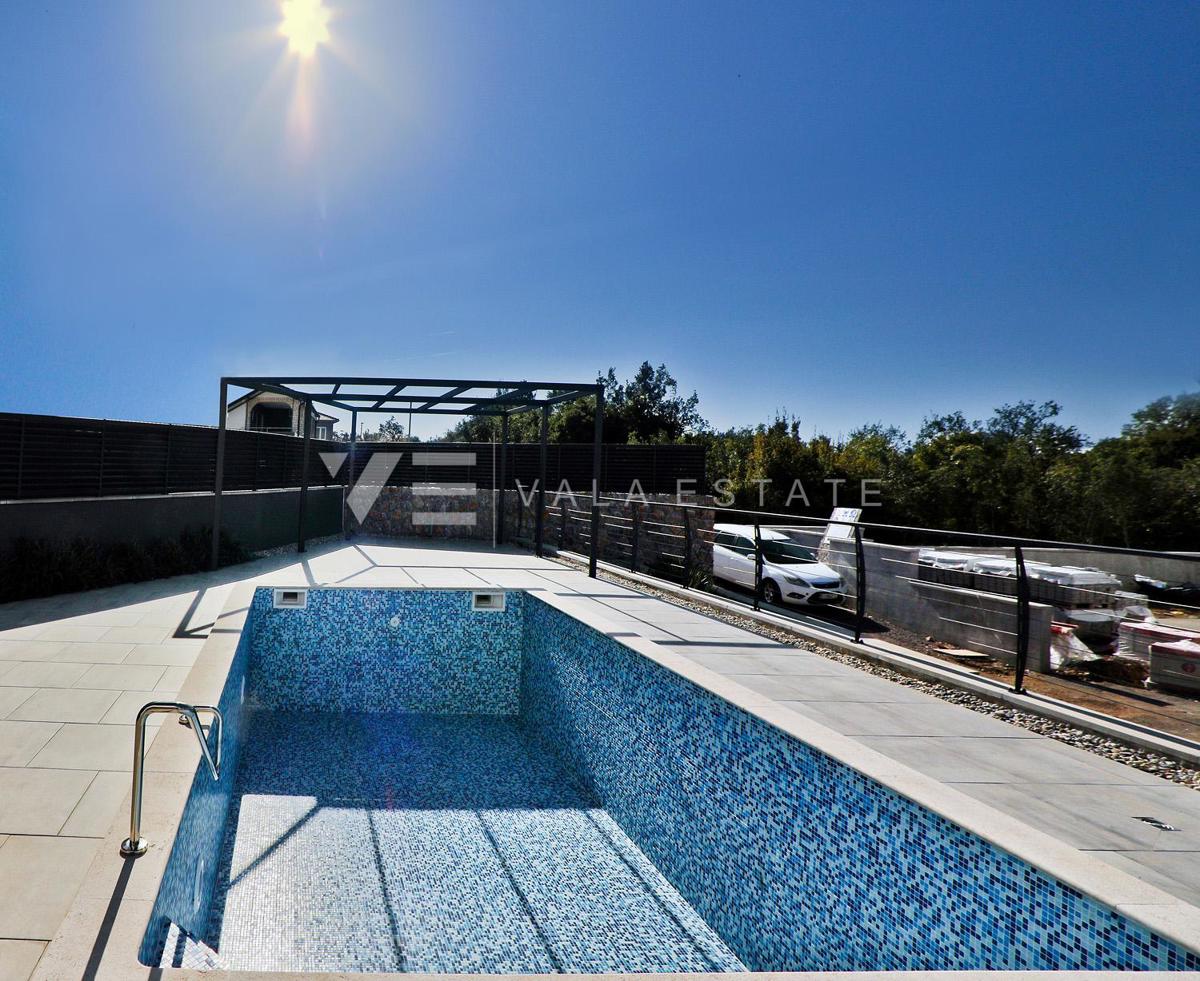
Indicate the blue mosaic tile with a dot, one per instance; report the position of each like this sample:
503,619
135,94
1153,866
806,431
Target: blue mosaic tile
342,653
434,844
499,792
799,862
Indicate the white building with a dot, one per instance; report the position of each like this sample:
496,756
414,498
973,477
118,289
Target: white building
266,412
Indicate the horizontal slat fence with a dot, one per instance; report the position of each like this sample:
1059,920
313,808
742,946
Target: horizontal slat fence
58,457
51,457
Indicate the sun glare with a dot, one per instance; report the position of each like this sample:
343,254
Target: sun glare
305,25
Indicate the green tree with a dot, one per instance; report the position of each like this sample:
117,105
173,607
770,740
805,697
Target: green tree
389,431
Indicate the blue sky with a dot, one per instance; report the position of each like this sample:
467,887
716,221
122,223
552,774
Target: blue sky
856,212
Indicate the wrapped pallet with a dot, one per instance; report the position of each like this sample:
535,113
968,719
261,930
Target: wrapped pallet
1134,639
1176,664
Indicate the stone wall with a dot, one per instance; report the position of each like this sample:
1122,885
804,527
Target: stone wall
432,513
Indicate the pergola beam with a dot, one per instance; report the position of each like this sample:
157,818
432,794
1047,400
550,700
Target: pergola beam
452,399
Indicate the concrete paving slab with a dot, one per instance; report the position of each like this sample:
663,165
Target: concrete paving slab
65,705
20,742
18,958
93,653
122,677
88,747
12,698
967,759
38,802
29,631
172,679
93,815
29,650
71,631
905,719
171,653
50,870
1085,818
135,635
728,659
126,705
45,674
858,687
1175,872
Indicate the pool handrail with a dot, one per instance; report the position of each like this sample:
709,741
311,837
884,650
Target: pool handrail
135,844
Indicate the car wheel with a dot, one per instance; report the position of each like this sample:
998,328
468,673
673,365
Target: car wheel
771,593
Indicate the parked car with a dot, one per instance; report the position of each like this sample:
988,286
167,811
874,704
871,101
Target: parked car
790,570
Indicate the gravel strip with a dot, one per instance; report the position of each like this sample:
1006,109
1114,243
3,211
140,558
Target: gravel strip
264,553
1133,756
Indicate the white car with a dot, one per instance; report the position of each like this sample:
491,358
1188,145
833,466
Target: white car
790,570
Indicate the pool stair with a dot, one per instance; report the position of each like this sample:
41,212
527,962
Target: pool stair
181,949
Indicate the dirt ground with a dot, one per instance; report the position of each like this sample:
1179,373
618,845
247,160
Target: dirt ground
1168,711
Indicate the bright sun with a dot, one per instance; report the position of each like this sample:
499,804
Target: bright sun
305,25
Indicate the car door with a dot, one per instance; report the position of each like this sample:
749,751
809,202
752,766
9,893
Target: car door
724,557
743,561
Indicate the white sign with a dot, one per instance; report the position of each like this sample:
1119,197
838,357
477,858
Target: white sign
834,530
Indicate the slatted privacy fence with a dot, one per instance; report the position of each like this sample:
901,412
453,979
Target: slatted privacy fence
45,457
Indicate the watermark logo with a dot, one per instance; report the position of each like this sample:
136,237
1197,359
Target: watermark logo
448,488
378,471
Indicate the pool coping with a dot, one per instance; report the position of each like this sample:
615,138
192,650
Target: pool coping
101,934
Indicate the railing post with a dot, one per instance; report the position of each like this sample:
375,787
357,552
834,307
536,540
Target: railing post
1022,621
597,457
541,491
562,525
303,509
860,585
687,548
503,482
758,565
633,548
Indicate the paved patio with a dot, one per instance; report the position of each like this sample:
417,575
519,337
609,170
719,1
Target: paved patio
75,669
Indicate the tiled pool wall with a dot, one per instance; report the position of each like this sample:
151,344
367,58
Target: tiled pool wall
799,862
387,650
190,877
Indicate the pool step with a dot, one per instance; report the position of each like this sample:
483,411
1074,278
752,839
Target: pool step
183,950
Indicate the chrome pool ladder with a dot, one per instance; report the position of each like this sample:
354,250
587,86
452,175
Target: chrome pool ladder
189,715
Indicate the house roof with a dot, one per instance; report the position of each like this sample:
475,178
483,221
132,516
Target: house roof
318,415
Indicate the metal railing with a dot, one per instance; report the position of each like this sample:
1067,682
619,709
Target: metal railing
625,538
135,844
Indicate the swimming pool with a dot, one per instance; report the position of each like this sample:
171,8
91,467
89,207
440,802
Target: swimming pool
411,784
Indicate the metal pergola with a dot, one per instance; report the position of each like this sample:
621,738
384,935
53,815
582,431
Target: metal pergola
421,396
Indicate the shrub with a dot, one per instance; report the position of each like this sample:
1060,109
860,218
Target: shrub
39,567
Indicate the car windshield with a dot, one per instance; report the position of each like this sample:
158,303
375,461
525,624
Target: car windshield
787,553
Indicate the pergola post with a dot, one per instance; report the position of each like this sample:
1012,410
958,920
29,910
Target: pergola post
219,479
503,478
597,451
541,494
349,486
303,509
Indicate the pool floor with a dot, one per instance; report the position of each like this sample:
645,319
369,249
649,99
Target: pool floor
434,844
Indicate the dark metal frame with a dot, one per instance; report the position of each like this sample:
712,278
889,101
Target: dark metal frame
1018,544
419,396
